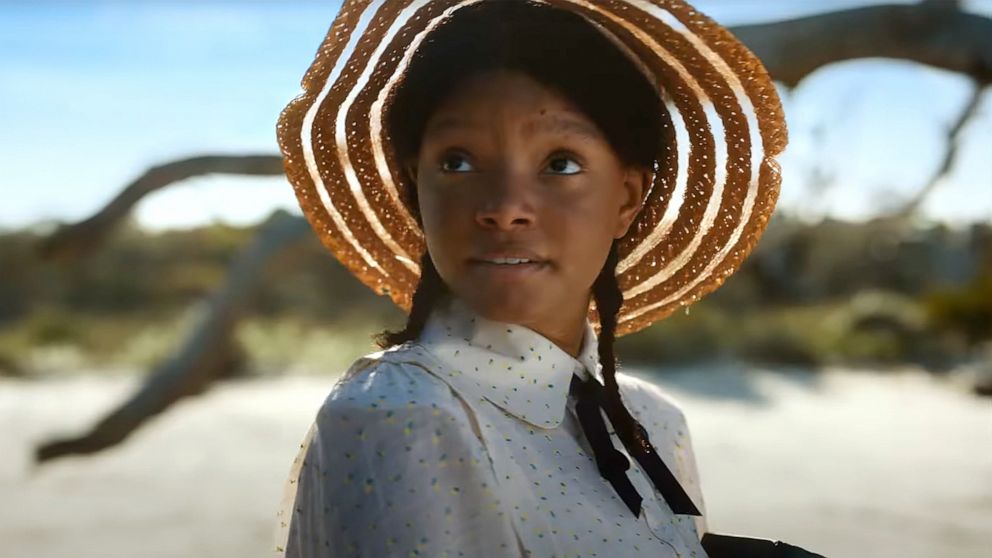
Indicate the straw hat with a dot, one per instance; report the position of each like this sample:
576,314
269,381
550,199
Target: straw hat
716,184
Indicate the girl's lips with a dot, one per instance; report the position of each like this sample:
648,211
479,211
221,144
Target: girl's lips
507,271
504,254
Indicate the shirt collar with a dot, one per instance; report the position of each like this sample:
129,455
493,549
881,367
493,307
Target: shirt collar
512,366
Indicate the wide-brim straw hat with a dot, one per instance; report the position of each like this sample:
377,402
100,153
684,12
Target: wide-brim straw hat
716,183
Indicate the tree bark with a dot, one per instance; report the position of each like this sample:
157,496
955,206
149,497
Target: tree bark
78,239
935,33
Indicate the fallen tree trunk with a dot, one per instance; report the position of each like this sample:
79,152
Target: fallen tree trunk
208,352
935,32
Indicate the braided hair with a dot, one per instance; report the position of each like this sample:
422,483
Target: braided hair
430,290
582,65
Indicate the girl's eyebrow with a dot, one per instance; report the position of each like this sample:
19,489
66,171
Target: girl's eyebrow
566,125
446,123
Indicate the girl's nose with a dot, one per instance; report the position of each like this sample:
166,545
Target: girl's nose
505,204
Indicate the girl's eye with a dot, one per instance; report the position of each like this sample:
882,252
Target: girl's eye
564,165
456,162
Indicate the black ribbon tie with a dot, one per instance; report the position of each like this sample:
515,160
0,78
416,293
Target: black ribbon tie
612,464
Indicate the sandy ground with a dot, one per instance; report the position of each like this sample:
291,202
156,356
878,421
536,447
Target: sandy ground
849,465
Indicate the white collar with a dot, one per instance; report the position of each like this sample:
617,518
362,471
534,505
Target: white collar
514,367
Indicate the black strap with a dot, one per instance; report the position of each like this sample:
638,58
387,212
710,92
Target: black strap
735,546
613,464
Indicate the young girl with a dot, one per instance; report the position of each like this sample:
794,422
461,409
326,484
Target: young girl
519,175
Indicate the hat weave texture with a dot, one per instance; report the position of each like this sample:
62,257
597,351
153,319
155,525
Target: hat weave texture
716,180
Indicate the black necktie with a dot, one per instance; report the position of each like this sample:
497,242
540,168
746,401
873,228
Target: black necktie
612,464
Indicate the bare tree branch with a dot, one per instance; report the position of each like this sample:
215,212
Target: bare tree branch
76,240
936,33
933,32
208,352
968,112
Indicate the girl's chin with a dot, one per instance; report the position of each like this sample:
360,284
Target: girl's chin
514,306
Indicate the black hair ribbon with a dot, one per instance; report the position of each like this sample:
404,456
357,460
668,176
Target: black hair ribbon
612,464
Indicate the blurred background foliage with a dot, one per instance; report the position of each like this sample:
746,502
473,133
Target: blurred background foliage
860,294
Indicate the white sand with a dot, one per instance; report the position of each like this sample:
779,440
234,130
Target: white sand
849,465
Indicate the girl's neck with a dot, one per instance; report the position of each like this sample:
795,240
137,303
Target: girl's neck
565,329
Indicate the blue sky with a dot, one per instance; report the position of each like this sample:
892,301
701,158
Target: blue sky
94,92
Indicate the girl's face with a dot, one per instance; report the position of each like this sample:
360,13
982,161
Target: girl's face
521,197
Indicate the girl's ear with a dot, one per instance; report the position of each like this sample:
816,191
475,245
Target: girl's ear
410,166
636,181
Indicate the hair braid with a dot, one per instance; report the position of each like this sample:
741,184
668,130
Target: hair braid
430,289
609,298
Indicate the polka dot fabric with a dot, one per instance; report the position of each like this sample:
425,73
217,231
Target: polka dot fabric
466,443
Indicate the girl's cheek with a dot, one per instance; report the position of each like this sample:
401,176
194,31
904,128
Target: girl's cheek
436,201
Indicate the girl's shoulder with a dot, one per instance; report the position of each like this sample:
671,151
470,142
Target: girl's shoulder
661,414
647,400
400,379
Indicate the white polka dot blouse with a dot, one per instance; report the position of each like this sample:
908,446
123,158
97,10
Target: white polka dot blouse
466,443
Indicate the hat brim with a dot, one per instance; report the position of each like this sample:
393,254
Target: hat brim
716,184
